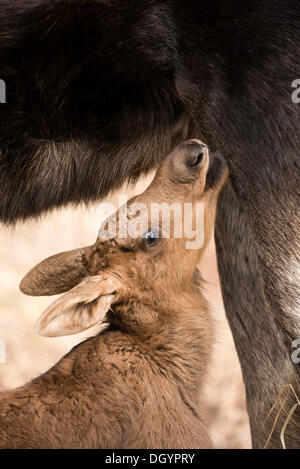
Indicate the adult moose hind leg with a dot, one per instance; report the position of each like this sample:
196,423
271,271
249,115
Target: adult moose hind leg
260,341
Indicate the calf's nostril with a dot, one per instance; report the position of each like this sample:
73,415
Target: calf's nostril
195,160
187,161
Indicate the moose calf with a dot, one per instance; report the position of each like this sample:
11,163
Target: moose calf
138,383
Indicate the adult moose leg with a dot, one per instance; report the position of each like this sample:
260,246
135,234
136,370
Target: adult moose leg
264,354
258,254
258,242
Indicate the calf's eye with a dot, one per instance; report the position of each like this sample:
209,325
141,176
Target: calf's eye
151,238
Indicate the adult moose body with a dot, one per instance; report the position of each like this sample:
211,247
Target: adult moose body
99,91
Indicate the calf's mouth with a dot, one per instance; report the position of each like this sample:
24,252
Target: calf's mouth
216,171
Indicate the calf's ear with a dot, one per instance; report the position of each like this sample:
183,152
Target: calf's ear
81,308
57,274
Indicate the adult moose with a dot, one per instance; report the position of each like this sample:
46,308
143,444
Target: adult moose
99,91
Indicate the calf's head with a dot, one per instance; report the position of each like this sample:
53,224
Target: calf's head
145,255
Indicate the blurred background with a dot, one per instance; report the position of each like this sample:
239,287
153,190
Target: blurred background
28,355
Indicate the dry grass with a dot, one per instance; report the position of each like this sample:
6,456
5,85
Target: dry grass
29,355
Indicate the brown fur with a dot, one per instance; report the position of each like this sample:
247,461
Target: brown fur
139,383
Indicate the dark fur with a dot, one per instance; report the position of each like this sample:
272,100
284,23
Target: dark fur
98,91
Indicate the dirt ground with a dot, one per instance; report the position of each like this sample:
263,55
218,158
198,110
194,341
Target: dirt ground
28,355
